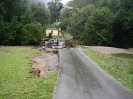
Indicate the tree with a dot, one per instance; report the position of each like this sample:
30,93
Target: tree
32,33
54,8
64,23
84,13
10,7
98,29
123,26
28,16
41,14
65,13
70,3
77,21
16,16
82,3
104,3
113,5
2,10
74,25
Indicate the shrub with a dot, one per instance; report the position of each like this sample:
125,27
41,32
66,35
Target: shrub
32,33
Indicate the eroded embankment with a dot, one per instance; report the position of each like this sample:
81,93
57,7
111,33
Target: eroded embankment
43,64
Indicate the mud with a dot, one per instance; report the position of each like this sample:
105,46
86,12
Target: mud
43,64
107,50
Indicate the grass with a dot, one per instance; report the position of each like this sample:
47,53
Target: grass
15,80
119,66
130,49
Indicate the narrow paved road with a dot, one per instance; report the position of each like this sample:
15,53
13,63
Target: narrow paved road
80,78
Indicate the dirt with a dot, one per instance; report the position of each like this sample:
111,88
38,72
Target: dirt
41,65
107,50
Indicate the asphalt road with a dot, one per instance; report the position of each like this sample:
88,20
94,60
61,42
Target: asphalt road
81,78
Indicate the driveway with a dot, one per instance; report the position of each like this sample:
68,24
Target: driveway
81,78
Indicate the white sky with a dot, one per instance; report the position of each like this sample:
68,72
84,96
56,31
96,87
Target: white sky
65,1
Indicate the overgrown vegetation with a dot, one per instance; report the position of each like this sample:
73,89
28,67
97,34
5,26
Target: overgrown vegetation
15,80
120,66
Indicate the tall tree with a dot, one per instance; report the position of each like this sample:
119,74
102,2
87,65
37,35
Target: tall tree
123,26
82,3
41,14
54,7
113,5
98,29
14,17
84,13
77,21
74,25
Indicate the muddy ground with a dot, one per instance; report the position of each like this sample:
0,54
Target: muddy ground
108,50
47,62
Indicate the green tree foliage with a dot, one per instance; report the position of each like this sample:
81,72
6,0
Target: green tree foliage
32,33
2,10
79,3
77,21
28,16
54,7
110,22
84,13
64,23
41,14
82,3
104,3
16,16
10,8
113,5
65,14
123,26
70,3
5,36
73,27
98,29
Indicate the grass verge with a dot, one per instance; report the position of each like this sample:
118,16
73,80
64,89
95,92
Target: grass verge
15,80
119,66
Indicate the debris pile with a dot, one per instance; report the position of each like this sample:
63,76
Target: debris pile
71,43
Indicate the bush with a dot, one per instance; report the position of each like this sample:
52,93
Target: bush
32,33
50,35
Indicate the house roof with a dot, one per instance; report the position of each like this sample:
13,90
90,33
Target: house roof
51,29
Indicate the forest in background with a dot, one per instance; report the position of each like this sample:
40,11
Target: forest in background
22,22
100,22
94,22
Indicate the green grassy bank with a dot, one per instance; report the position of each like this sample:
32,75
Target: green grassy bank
15,80
120,66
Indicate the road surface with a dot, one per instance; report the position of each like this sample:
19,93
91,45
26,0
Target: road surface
81,78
